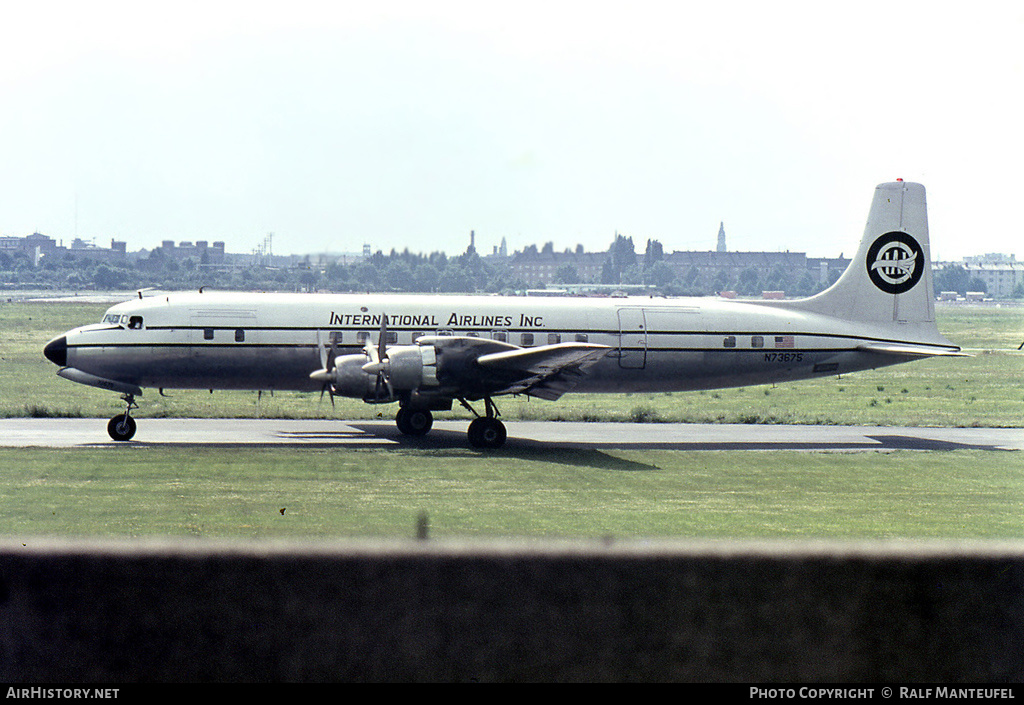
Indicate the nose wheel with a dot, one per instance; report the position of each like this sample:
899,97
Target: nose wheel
122,427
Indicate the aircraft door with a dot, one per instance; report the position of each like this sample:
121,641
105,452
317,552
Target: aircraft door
632,352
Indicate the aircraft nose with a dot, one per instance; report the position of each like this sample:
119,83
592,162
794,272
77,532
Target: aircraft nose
56,351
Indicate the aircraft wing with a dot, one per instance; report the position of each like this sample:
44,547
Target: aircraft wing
546,372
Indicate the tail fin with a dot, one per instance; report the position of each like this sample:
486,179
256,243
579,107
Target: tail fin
889,282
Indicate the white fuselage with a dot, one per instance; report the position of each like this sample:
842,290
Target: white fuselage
274,341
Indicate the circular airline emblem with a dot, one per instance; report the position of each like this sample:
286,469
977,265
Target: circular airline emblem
895,262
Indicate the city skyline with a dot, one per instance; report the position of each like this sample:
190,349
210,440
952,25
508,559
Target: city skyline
262,247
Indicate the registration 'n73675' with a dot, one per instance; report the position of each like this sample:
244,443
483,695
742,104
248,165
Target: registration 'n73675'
783,357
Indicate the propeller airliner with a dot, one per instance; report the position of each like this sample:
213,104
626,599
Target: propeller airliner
428,351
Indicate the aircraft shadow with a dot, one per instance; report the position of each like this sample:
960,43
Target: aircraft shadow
584,453
440,439
515,449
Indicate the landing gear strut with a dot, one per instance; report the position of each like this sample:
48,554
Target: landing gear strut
414,422
486,432
122,427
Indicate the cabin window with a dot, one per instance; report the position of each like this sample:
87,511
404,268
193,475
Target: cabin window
362,336
526,339
554,338
239,335
581,337
415,335
500,336
135,322
335,337
391,337
207,333
729,342
757,341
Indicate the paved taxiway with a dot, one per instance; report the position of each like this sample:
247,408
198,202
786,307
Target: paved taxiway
71,433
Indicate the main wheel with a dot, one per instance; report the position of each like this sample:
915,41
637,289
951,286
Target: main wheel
414,422
487,432
121,427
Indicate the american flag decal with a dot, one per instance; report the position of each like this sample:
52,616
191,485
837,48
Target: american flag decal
783,341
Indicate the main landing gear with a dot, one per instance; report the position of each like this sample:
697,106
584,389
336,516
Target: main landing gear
485,432
414,422
122,427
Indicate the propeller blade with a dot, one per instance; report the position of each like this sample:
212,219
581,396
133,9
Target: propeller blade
322,349
370,351
382,338
329,388
332,355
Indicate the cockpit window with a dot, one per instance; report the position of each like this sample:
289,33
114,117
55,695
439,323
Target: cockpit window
115,319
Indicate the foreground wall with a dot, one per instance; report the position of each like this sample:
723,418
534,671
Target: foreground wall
429,611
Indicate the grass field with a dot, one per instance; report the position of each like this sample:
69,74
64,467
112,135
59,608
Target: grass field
136,491
318,494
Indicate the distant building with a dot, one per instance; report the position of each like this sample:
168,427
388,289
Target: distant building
39,247
1001,273
500,250
35,245
536,268
732,263
80,249
202,252
827,269
542,267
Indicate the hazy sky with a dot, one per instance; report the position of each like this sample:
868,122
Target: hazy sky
408,124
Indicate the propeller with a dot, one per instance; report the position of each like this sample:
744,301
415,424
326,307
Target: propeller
378,364
326,372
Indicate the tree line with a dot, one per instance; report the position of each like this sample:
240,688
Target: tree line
406,271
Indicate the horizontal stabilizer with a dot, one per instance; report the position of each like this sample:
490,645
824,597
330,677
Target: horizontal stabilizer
911,350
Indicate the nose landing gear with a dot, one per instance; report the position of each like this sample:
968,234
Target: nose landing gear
122,427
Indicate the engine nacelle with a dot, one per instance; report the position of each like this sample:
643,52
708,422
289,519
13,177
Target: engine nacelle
406,368
349,380
409,367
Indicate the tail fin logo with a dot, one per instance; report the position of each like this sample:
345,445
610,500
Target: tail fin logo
895,262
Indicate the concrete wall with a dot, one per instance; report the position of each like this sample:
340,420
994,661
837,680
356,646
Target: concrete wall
430,611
